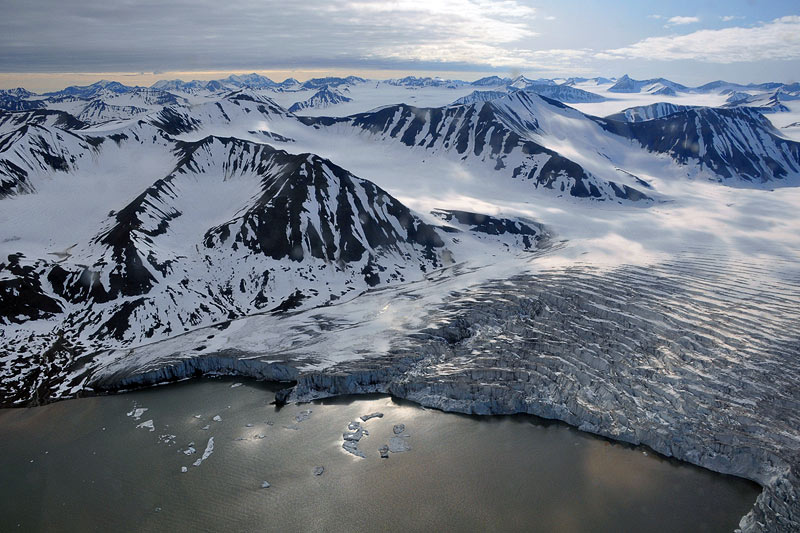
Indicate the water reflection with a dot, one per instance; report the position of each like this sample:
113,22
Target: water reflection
93,469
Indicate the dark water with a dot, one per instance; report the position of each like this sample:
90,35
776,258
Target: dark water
83,465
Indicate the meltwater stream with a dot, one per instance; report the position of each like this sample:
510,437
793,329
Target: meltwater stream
94,464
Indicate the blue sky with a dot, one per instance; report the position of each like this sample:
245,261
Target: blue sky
688,41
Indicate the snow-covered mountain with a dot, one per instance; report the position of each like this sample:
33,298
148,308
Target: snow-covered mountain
522,233
563,93
657,86
192,209
331,81
648,112
242,108
498,134
89,91
491,81
414,81
737,144
189,87
521,82
721,86
40,117
771,102
96,103
595,81
34,152
217,228
282,230
323,98
18,100
479,96
250,81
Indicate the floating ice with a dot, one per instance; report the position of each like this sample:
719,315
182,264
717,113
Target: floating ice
147,424
303,415
399,444
352,438
137,412
208,451
371,415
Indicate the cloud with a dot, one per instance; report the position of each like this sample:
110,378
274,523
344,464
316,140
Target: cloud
454,31
728,18
103,35
775,40
202,35
680,21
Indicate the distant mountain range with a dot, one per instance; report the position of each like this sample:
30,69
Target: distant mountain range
110,100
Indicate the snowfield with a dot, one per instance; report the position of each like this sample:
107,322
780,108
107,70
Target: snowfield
635,275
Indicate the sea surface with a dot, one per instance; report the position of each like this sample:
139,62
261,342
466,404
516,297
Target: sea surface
84,465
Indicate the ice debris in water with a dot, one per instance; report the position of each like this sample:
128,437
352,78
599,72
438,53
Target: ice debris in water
352,438
184,469
399,444
137,412
236,385
384,451
265,485
303,415
371,415
318,470
217,418
147,424
209,450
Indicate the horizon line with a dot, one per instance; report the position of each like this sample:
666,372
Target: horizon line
40,82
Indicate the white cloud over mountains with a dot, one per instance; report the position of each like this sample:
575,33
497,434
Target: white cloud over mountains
775,40
458,31
132,36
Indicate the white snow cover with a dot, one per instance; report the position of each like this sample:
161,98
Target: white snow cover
131,159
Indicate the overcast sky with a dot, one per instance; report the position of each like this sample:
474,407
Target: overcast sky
688,41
